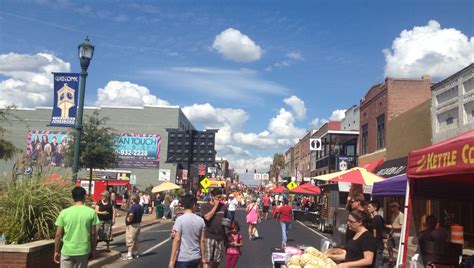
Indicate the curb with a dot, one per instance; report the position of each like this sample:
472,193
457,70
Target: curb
111,257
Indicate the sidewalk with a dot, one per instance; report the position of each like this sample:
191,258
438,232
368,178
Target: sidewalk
103,257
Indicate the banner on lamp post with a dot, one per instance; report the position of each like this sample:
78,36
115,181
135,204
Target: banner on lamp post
66,87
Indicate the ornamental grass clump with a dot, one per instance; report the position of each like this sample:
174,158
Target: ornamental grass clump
29,208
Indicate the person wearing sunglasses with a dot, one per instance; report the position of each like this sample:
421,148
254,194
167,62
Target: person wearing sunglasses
356,202
359,251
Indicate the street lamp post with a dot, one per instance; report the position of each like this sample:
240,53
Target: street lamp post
86,51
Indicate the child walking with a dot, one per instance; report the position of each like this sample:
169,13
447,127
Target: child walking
234,243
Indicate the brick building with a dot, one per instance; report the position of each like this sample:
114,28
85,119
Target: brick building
305,156
382,103
289,163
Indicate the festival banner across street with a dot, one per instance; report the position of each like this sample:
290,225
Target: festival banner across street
66,87
134,150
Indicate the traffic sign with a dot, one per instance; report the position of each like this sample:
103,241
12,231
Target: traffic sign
205,183
204,190
292,185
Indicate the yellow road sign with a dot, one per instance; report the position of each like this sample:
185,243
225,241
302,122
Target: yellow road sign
205,190
292,185
205,183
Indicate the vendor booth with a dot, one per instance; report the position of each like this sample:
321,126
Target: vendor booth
439,222
309,214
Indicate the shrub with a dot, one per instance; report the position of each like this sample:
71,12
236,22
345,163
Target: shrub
30,207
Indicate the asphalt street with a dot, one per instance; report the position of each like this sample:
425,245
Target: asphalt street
155,245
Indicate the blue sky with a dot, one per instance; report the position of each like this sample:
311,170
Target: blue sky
231,64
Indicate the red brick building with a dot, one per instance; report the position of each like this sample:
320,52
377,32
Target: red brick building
382,103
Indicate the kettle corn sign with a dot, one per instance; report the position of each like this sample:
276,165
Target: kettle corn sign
451,158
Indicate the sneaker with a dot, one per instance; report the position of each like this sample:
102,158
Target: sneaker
136,256
126,258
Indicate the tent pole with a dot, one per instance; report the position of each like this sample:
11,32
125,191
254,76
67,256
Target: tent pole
402,254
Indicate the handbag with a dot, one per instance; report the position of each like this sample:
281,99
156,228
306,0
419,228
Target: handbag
252,215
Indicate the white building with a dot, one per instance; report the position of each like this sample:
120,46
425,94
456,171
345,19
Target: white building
452,105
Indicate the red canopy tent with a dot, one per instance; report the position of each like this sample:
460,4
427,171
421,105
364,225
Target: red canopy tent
307,188
444,171
279,189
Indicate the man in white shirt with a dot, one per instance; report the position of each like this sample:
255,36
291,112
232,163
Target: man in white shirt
232,207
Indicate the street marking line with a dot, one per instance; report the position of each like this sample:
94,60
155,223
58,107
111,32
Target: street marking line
313,230
156,246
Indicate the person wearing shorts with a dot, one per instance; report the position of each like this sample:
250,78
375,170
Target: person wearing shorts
266,206
214,211
396,227
133,222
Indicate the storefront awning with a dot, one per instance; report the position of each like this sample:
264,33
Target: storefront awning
452,159
395,186
371,166
391,168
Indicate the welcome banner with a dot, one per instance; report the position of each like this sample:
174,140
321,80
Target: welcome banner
66,87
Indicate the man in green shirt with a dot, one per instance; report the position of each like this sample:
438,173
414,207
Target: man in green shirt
76,226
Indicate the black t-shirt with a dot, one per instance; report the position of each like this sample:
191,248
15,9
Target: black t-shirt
108,208
378,226
214,228
355,248
137,212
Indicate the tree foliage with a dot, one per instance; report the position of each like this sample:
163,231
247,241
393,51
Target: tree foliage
277,165
97,147
7,149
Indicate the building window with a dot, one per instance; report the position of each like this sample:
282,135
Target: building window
381,132
365,136
449,121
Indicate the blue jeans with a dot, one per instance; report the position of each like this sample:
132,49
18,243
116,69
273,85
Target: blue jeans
187,264
378,258
284,231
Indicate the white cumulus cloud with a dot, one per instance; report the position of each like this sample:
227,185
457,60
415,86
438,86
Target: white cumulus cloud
290,58
29,78
259,163
236,46
280,134
124,93
227,120
338,115
429,49
318,122
297,105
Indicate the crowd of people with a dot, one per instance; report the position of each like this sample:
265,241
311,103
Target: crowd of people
207,237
